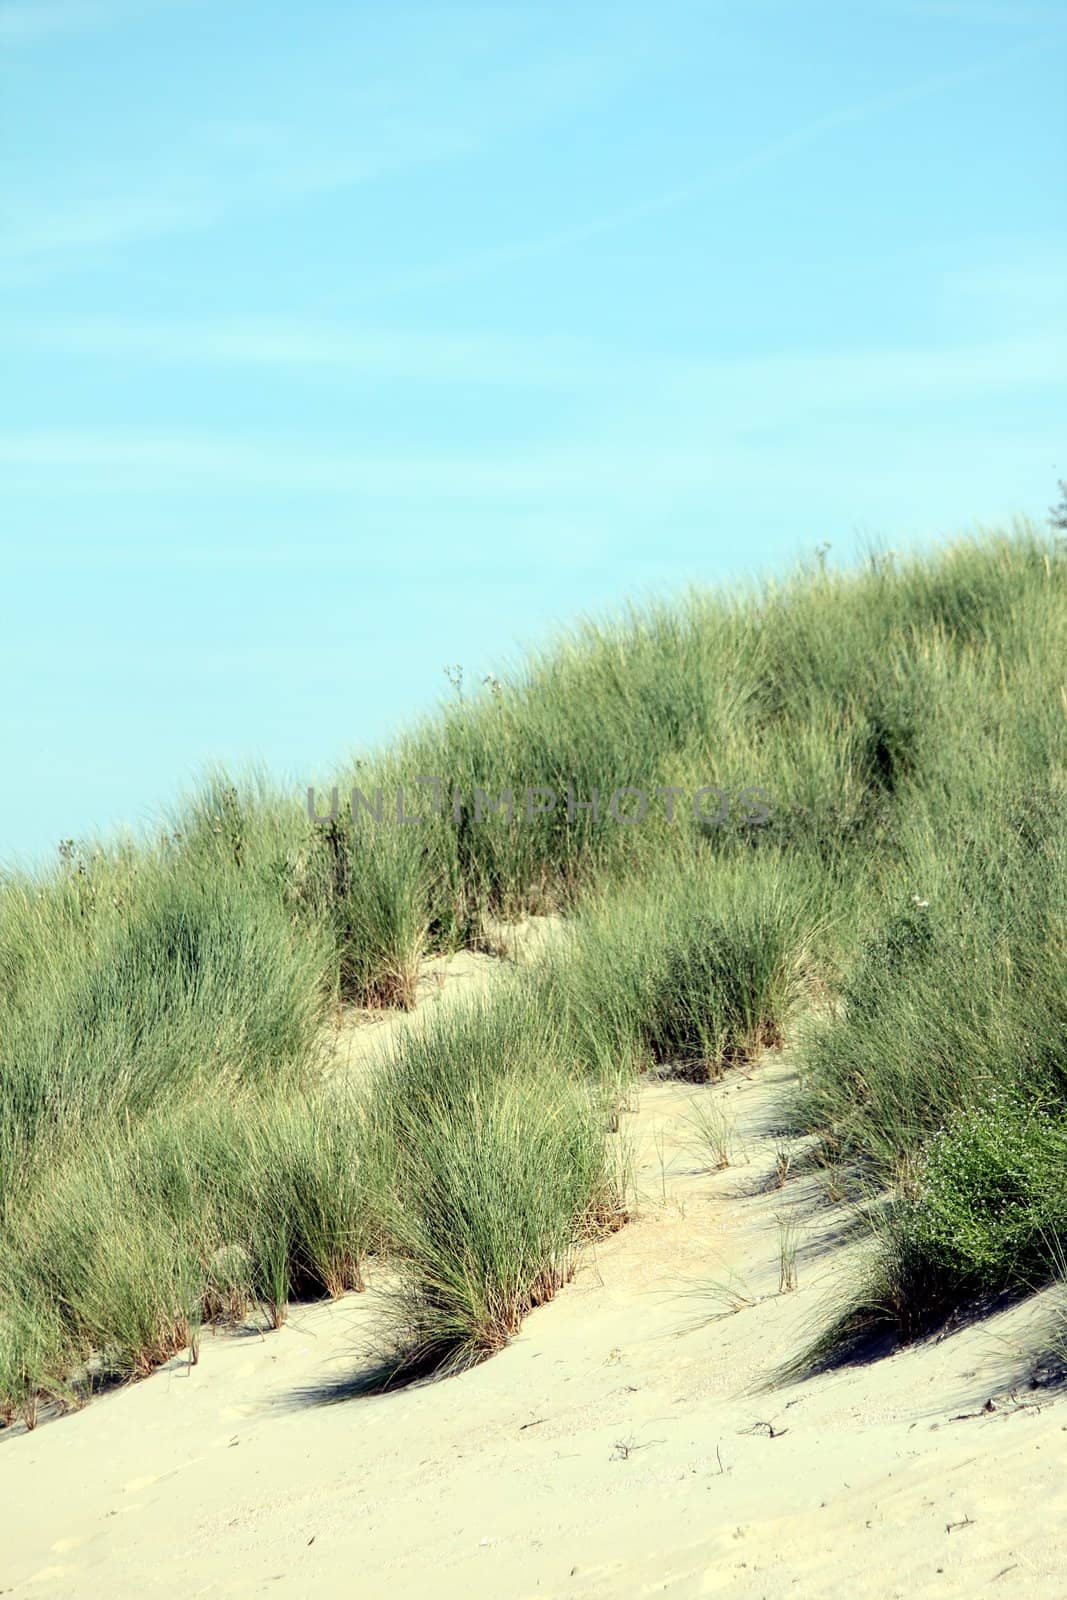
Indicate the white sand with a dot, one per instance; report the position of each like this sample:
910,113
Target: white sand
443,981
618,1448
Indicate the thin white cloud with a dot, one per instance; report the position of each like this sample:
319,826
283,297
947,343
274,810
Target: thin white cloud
842,380
982,13
191,457
227,182
24,22
338,132
1034,284
767,155
315,346
698,425
107,222
768,383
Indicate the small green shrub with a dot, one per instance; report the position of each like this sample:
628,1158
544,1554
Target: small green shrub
989,1206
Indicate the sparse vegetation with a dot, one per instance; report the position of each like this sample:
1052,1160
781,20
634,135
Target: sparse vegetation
714,1135
788,1234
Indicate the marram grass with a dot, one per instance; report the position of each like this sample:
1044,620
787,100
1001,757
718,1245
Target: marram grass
171,1152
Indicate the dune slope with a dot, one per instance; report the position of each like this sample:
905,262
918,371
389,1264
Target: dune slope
625,1444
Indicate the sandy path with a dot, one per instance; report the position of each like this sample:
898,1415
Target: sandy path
443,980
618,1448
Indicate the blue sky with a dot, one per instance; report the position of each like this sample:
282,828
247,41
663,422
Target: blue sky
343,342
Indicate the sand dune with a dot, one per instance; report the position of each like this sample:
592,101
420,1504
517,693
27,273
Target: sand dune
624,1445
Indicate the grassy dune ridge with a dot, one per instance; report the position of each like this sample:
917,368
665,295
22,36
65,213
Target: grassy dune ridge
172,1150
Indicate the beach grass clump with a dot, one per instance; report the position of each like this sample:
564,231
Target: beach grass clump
372,882
694,967
493,1198
190,985
498,1166
196,1214
956,990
